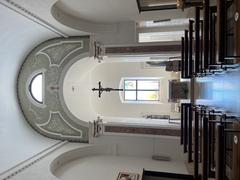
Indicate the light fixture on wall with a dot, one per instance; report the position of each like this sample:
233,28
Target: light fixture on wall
97,127
98,51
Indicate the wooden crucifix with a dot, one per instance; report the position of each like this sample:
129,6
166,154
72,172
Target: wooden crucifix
100,89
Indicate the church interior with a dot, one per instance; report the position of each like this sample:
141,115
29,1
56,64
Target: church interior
120,89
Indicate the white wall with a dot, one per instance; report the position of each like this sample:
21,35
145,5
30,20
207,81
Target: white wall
85,104
110,104
116,154
18,37
125,34
77,89
140,146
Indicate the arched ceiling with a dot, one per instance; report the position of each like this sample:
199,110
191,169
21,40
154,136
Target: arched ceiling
101,11
51,117
105,16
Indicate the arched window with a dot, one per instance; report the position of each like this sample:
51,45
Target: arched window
36,88
141,89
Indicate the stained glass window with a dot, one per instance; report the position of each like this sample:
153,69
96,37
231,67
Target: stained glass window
141,90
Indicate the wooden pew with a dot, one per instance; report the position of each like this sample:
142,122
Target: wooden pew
183,58
186,59
220,153
221,34
236,151
191,22
196,144
206,9
237,30
185,126
197,40
205,152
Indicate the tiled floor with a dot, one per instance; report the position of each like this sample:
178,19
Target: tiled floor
221,91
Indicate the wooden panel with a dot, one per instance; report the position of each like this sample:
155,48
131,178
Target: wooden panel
147,49
141,130
236,152
155,175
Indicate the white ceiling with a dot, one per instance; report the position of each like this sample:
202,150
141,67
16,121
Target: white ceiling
104,11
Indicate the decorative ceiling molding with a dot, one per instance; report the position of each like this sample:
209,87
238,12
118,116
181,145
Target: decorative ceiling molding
53,127
75,46
53,119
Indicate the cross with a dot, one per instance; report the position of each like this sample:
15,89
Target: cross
100,89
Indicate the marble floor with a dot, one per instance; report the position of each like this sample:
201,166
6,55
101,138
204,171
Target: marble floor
221,91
